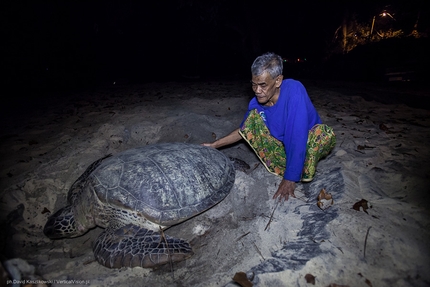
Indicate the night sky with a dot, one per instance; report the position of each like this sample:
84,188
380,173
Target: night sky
84,41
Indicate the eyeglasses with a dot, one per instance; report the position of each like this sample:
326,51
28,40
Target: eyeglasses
264,85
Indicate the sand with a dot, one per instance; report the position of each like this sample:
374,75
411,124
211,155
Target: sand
381,156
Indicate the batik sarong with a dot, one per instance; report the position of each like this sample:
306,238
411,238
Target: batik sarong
271,151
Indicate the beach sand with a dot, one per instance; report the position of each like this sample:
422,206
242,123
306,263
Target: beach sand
381,156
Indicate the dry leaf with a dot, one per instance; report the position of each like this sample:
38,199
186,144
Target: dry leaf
45,210
310,278
325,200
363,204
241,279
324,195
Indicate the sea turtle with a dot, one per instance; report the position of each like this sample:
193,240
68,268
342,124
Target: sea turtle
136,193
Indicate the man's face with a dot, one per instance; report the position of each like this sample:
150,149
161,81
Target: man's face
265,88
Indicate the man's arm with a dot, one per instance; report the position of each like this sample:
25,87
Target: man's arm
231,138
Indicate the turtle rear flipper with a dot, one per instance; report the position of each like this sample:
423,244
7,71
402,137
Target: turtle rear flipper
133,246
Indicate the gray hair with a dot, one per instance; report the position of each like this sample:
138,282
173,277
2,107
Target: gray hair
269,62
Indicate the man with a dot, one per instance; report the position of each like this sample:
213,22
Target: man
282,126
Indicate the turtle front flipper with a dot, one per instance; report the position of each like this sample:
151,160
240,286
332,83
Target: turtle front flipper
132,246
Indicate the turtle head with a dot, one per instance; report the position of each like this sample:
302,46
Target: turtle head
62,224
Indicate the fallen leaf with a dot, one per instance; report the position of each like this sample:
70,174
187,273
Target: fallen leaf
325,200
324,204
214,135
363,204
310,279
45,210
324,195
241,279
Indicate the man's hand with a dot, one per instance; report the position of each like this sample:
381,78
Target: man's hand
285,190
212,145
231,138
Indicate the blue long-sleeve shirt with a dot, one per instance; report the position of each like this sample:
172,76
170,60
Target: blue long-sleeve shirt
289,121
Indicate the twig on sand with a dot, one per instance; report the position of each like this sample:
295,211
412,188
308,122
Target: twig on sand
365,241
168,251
271,216
242,236
89,261
256,165
258,250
